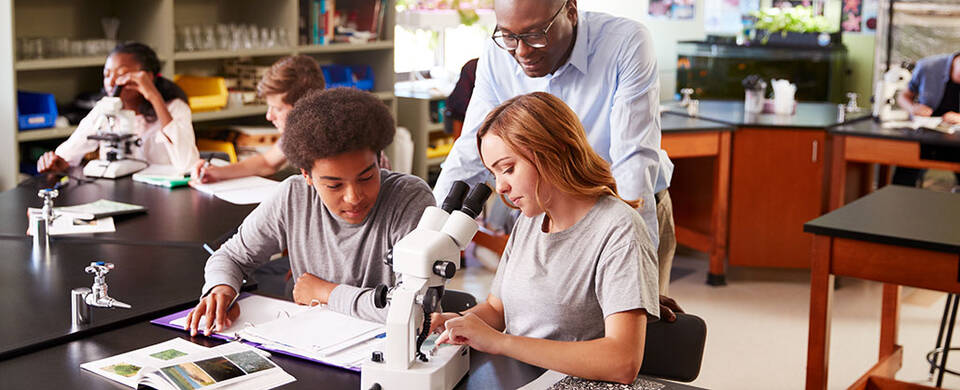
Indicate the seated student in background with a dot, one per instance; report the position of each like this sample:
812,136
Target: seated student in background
337,220
285,82
163,120
578,279
934,90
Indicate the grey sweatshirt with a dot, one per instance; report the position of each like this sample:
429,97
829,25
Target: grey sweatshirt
320,243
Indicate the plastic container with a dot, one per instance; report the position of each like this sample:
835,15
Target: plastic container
203,93
350,76
36,110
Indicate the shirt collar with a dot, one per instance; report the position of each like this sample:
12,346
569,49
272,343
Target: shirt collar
581,45
950,65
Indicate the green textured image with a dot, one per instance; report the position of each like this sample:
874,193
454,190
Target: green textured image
168,354
122,369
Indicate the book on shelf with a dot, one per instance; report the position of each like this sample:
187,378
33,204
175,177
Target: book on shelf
313,333
178,364
319,20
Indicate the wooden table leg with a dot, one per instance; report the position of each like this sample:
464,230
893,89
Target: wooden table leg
838,172
721,204
889,319
821,297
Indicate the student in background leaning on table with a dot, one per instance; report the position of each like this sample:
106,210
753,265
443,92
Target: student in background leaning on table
337,220
605,69
934,90
578,278
285,82
163,120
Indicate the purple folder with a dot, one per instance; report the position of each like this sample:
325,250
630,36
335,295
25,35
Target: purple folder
167,321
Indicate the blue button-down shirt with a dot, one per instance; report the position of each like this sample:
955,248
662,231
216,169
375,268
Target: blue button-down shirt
610,81
930,78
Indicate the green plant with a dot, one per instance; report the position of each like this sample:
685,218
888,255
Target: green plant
795,19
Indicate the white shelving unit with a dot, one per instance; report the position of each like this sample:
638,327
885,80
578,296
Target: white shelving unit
155,23
414,114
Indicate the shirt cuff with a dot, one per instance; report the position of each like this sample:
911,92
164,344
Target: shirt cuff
216,280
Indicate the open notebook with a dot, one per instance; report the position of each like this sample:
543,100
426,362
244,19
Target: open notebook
312,333
245,190
178,364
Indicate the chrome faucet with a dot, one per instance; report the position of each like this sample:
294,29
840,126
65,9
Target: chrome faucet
83,298
41,227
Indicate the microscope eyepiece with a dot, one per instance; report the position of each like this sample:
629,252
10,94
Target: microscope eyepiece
473,204
454,198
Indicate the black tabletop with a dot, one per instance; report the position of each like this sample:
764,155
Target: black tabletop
867,127
59,367
897,215
178,216
36,287
809,115
676,123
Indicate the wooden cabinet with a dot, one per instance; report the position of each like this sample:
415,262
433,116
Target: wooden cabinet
777,184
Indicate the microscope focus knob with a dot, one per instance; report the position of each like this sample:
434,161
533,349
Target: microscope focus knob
380,296
377,357
444,268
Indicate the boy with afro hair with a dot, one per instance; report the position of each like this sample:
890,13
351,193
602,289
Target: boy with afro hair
337,220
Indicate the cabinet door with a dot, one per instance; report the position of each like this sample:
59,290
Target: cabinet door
776,186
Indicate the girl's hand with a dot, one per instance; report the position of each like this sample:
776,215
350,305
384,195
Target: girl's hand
438,319
51,162
141,82
471,330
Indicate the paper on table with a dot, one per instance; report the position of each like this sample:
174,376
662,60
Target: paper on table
245,190
254,310
159,172
319,329
66,223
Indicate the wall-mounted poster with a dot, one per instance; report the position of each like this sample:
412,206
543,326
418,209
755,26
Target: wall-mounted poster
723,16
672,9
851,16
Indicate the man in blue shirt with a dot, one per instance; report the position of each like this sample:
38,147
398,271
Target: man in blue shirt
605,69
934,90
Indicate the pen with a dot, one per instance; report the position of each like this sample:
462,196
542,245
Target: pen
203,169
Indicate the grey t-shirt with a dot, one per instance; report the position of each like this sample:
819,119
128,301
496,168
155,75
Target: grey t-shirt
321,243
561,286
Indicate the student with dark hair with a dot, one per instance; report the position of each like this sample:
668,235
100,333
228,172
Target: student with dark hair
163,120
337,220
285,82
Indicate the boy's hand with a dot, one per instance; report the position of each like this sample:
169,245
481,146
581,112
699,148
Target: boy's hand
310,290
214,308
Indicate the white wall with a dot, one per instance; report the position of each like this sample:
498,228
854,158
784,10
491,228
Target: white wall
8,110
666,34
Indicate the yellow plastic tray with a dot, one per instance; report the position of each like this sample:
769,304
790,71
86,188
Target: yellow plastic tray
204,93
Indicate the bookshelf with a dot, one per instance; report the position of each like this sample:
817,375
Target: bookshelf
157,23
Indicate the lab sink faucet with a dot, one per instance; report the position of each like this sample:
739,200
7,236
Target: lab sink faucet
83,298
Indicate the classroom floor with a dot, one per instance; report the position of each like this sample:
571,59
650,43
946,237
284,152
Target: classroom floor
757,325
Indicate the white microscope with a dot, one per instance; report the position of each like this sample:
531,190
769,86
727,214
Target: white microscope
885,107
113,125
424,260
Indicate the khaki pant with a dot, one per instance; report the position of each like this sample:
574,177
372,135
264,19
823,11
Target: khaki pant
668,239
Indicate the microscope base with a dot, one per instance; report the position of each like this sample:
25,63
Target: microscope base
442,372
112,169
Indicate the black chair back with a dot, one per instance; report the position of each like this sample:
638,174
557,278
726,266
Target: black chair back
675,350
